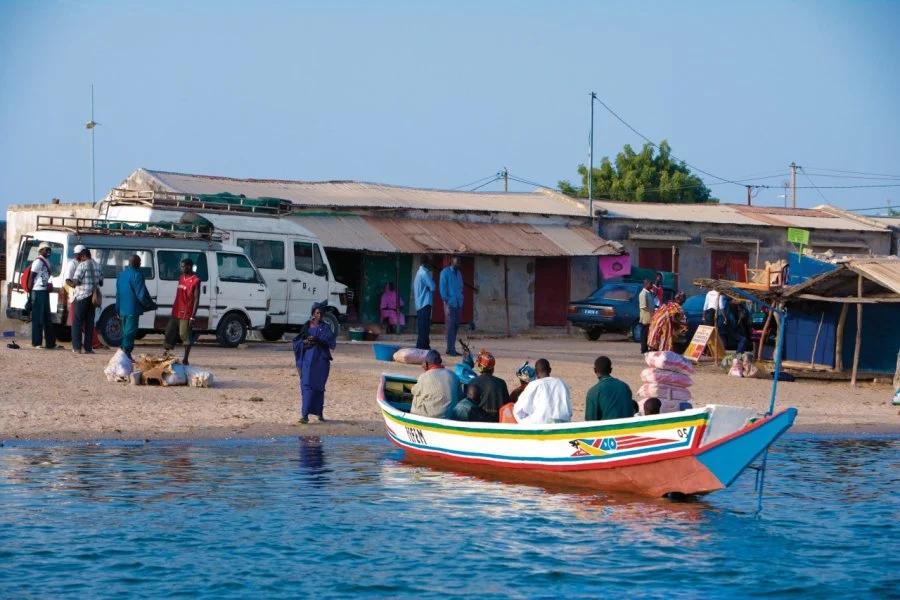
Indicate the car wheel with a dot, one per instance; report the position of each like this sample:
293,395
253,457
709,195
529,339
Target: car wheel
636,332
592,334
232,331
109,327
63,333
330,319
272,334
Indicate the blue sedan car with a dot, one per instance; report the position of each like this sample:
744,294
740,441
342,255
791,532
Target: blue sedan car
612,308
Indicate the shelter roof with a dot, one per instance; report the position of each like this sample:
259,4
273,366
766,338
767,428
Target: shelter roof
421,236
360,194
736,214
881,280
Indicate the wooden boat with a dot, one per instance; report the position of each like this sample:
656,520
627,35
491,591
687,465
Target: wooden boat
690,452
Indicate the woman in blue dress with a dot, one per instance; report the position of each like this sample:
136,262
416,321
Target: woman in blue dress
312,354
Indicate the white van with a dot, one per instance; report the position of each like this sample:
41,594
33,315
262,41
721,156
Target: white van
233,294
289,256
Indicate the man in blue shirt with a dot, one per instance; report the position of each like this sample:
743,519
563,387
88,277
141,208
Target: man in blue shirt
423,290
132,300
452,295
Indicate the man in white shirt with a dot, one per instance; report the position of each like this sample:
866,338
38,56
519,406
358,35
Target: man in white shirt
39,287
544,400
68,277
714,301
646,307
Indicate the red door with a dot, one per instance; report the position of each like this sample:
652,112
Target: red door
467,267
658,259
730,265
551,291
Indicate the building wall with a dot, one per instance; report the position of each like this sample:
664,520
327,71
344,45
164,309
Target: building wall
695,253
584,277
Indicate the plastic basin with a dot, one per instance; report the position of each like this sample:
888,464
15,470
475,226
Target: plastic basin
385,351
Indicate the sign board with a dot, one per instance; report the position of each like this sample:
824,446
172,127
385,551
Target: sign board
614,266
798,236
705,336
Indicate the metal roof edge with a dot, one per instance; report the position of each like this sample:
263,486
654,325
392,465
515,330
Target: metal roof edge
48,205
845,214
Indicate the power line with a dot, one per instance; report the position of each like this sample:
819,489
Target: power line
492,180
494,175
833,176
856,172
802,170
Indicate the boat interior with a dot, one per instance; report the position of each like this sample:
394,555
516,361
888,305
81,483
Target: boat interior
398,391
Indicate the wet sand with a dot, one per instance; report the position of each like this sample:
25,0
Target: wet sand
60,396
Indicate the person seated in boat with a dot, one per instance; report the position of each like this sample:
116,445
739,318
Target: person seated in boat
544,400
652,406
525,375
437,391
494,392
610,398
469,408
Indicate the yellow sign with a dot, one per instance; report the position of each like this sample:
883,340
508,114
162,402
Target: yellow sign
705,338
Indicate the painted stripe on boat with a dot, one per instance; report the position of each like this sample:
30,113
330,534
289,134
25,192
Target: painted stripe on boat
554,434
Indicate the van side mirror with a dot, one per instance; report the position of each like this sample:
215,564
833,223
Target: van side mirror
321,271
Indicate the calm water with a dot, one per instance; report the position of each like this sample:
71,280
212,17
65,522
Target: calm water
342,517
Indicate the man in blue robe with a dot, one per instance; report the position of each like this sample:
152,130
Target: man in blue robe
132,300
312,355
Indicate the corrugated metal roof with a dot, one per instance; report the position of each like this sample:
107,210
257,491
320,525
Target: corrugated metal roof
580,241
358,194
733,214
348,233
884,271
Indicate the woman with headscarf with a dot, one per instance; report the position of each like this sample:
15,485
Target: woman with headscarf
312,355
668,322
525,374
391,306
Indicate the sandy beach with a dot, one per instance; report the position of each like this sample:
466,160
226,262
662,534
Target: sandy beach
58,395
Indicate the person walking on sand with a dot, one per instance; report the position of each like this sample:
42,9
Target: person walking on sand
184,310
312,355
451,284
423,289
647,308
39,287
132,300
87,279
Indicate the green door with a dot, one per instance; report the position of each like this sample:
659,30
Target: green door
378,270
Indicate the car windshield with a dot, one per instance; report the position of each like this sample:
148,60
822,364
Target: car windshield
614,292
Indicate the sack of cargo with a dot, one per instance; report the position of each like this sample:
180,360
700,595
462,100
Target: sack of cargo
175,375
410,356
669,361
119,367
670,406
667,377
665,392
198,377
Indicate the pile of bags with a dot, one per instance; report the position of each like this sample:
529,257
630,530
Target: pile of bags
668,377
149,370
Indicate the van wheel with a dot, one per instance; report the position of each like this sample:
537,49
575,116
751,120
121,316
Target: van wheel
272,334
330,319
232,331
63,333
110,327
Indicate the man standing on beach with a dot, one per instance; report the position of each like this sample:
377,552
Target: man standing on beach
452,294
423,290
610,398
647,308
187,301
39,286
132,300
87,279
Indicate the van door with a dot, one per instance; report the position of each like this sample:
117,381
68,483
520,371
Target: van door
240,287
113,261
168,269
309,281
269,257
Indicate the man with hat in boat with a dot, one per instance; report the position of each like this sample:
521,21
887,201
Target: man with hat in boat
437,390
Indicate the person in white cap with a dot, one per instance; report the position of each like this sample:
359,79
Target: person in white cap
69,287
39,287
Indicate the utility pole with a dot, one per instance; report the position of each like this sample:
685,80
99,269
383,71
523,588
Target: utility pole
505,174
793,185
591,165
785,184
749,191
92,125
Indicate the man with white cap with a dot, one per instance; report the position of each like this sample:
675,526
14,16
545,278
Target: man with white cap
68,276
39,286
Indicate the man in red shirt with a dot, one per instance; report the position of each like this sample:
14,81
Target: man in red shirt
187,300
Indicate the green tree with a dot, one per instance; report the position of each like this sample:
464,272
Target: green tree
647,176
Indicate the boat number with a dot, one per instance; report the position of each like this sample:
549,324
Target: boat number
416,435
683,432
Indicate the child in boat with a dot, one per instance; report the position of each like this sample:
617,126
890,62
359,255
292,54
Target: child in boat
469,409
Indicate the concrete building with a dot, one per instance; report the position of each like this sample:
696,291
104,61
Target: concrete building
526,254
720,241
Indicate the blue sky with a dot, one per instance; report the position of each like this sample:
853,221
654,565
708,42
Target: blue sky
439,94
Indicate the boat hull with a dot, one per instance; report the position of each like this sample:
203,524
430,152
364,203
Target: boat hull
692,452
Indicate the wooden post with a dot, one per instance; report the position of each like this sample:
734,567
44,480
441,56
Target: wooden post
859,309
839,340
762,337
812,359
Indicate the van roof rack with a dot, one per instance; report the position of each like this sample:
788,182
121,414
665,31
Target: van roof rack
223,202
183,231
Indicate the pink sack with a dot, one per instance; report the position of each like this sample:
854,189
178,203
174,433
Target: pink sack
410,356
670,361
665,392
668,377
